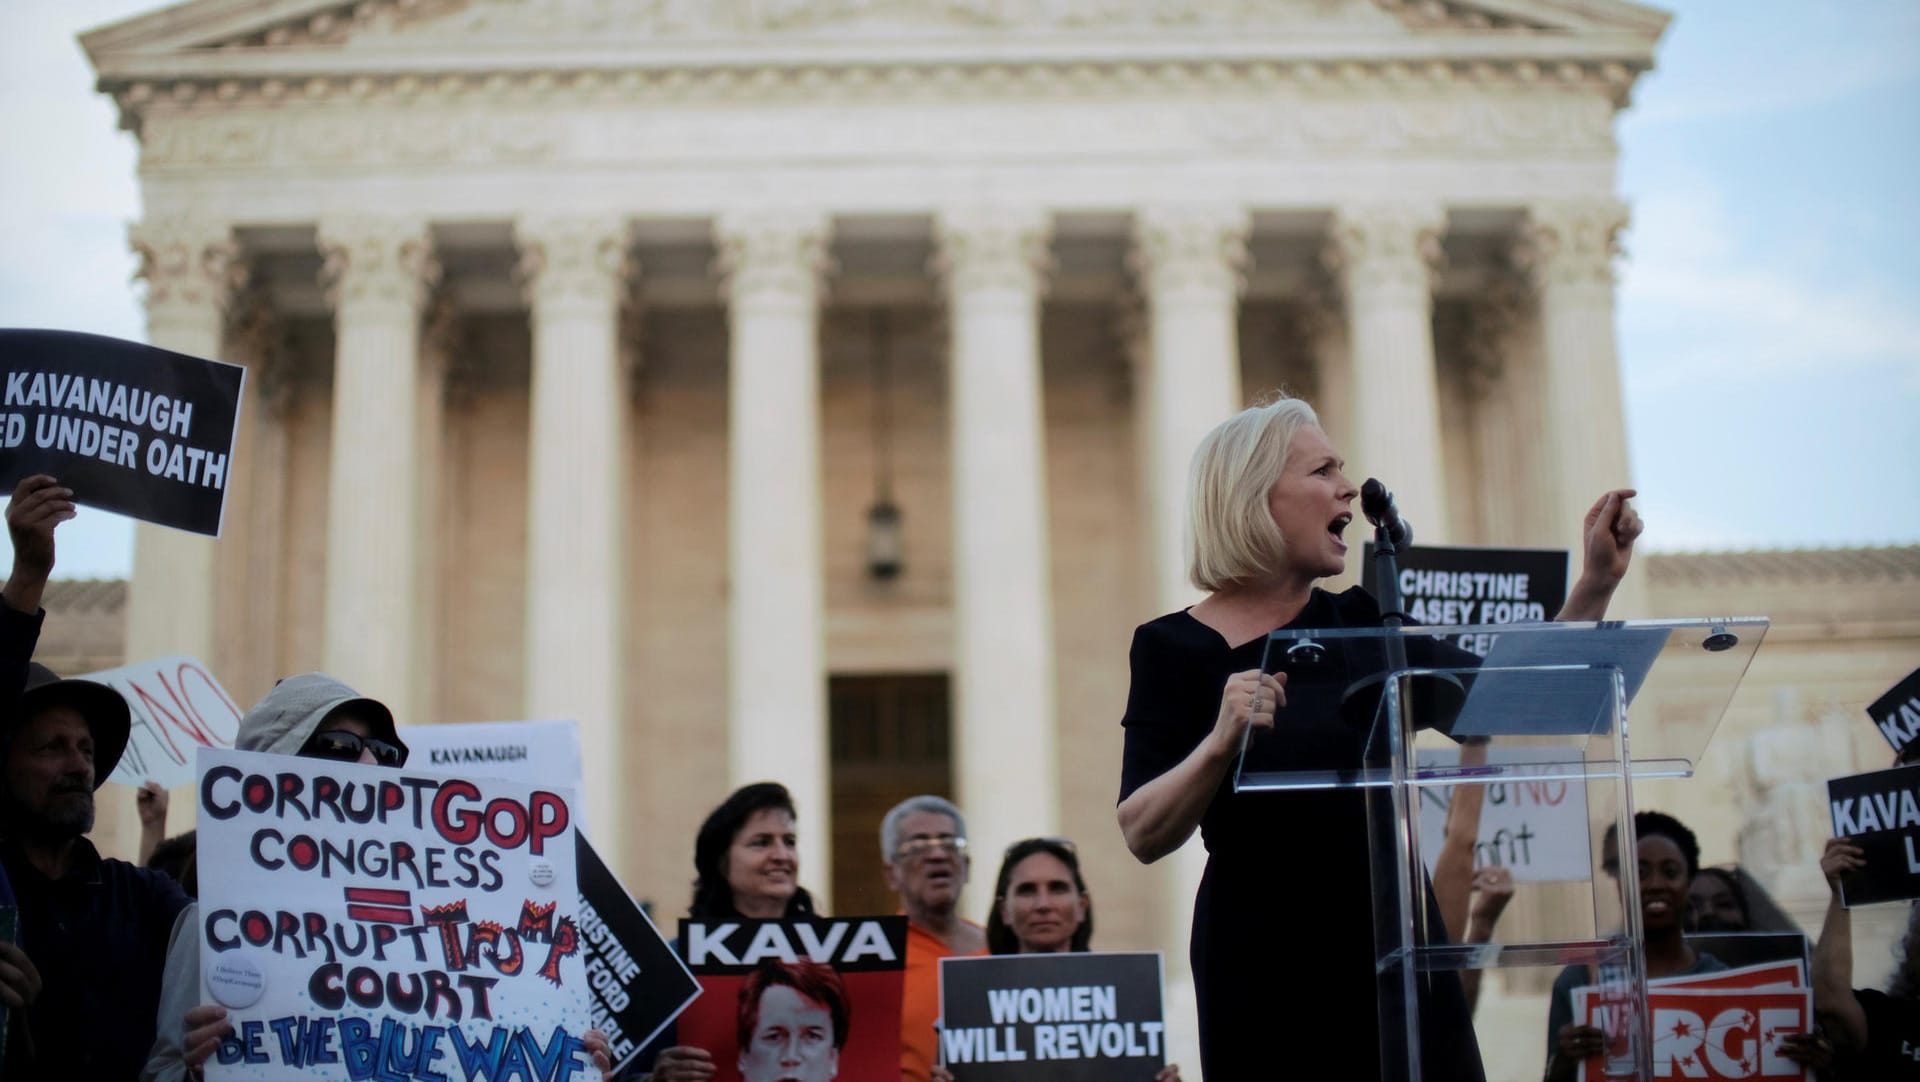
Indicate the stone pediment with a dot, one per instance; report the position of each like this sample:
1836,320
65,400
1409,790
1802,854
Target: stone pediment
227,26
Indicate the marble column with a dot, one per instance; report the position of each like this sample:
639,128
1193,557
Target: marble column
192,269
776,645
576,269
1386,256
194,273
993,261
1568,248
378,272
1189,261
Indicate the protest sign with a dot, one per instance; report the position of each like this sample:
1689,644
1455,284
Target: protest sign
1880,813
1535,827
1897,713
367,922
1047,1017
129,428
546,752
815,999
1721,1025
176,707
1454,587
638,984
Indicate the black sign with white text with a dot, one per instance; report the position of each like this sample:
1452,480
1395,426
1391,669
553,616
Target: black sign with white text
1897,713
638,983
1452,587
129,428
1052,1017
1880,813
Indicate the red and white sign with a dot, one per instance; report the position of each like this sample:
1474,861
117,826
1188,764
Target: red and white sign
1720,1026
177,708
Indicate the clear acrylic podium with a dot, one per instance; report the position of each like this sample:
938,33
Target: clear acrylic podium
1547,706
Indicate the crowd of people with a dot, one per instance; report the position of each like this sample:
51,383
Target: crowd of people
104,981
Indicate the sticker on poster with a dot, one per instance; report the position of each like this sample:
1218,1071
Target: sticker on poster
388,921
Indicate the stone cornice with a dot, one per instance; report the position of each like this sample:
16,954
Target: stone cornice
1785,566
335,62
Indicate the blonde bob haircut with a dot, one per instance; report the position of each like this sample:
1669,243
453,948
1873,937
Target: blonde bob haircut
1231,536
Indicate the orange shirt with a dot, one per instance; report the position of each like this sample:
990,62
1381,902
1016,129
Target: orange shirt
920,1004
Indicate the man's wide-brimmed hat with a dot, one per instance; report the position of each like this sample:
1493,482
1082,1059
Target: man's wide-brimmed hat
101,707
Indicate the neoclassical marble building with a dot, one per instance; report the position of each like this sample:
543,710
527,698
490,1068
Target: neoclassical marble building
586,336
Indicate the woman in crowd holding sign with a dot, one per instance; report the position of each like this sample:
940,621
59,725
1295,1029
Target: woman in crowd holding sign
747,864
1041,906
1270,504
1876,1034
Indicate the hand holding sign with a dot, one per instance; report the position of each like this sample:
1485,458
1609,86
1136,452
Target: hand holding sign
1841,856
39,505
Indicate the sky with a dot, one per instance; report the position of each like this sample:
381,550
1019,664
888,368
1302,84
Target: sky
1769,330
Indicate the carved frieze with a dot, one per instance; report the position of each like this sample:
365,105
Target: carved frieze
191,265
1200,248
574,260
774,256
1385,246
993,249
1572,243
380,262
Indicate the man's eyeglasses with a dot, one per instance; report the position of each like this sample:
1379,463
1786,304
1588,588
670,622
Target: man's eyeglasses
343,746
923,847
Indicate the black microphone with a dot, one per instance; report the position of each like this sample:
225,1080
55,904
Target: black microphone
1377,504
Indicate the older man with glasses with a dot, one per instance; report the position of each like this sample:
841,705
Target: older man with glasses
923,839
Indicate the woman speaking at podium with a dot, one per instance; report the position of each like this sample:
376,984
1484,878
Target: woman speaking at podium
1282,947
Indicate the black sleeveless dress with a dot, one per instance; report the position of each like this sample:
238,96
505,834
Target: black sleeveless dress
1282,947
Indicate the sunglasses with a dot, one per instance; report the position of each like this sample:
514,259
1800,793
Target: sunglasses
917,848
343,746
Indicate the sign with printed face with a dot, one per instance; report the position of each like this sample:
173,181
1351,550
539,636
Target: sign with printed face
129,428
176,707
1456,587
1880,813
1897,713
372,923
797,1001
1047,1017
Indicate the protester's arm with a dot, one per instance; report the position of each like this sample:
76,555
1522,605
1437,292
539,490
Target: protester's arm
1161,815
1492,890
1833,1000
179,991
39,505
151,802
1607,539
1453,867
683,1063
19,979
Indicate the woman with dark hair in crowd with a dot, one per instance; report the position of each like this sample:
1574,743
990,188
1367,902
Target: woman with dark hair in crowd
746,860
1874,1032
1041,906
1669,857
1728,899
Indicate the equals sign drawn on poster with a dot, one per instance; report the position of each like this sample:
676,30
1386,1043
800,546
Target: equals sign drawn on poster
380,906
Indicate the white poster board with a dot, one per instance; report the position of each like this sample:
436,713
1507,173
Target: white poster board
544,752
177,707
365,922
1536,828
